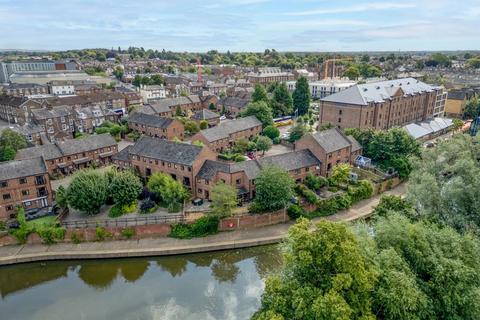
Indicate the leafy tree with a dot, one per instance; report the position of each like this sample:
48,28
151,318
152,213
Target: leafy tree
203,125
271,131
352,72
457,124
260,94
260,110
61,197
224,200
10,142
7,153
340,174
297,131
274,188
264,143
325,276
472,109
87,192
125,187
191,127
389,204
444,183
169,191
282,102
241,145
301,96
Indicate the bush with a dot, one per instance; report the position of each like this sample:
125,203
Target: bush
276,140
202,227
119,210
49,235
102,233
308,194
363,190
76,238
239,158
315,183
148,206
294,211
127,233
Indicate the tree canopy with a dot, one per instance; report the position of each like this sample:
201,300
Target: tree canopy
259,94
472,108
282,102
261,110
10,142
224,200
301,96
88,191
264,143
125,187
171,192
274,188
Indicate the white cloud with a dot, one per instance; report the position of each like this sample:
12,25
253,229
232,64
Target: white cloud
355,8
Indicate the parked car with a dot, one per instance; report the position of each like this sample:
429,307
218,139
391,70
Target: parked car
197,202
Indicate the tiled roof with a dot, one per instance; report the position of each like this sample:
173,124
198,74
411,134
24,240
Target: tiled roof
205,114
123,154
150,120
291,160
47,151
224,129
363,94
84,99
12,101
164,105
22,168
44,113
355,144
234,102
165,150
210,168
331,140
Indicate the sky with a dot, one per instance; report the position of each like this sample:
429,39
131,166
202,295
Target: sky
241,25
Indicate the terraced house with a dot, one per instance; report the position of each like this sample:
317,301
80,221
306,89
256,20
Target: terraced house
65,157
24,183
155,126
380,105
57,123
15,109
226,133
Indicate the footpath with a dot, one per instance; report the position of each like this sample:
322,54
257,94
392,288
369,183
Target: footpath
169,246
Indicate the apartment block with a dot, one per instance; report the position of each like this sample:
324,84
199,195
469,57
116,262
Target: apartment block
155,126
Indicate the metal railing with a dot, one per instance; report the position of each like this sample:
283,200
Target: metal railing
124,222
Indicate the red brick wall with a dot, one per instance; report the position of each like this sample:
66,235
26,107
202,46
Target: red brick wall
253,221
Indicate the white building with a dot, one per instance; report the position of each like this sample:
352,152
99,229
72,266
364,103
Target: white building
323,88
61,88
152,92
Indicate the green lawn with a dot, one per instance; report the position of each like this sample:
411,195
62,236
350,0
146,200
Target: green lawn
40,222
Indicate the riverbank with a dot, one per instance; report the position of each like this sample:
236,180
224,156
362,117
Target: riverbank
169,246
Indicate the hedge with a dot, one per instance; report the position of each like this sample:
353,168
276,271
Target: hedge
201,228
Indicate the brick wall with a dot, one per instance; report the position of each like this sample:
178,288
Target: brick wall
253,220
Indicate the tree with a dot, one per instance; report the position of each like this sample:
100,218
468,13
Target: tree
224,200
241,145
271,131
169,191
457,124
87,192
282,102
297,131
325,276
10,143
390,203
274,188
61,197
203,124
352,72
260,94
444,184
125,187
301,96
472,109
260,110
191,127
264,143
340,174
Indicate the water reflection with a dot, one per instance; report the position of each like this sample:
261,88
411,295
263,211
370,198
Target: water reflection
217,285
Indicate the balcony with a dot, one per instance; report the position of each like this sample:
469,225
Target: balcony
39,180
42,192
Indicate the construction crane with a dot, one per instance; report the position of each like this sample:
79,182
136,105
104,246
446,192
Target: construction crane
333,67
475,126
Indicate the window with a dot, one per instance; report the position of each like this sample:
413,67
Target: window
340,112
25,192
6,196
339,120
9,208
3,184
22,180
207,182
238,181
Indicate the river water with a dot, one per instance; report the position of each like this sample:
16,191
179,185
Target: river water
217,285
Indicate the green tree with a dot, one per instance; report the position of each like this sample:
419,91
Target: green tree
457,124
472,108
241,145
260,110
301,96
203,124
271,131
325,276
169,191
390,203
264,143
7,153
282,102
125,187
10,143
87,192
61,197
260,94
297,131
340,174
191,127
352,72
274,188
224,200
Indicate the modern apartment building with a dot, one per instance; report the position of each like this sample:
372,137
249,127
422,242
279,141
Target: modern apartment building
324,88
380,105
268,75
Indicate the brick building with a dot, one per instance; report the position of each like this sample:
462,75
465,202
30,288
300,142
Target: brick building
269,75
57,123
111,100
232,106
226,133
65,157
155,126
211,117
331,147
15,109
24,89
24,183
380,105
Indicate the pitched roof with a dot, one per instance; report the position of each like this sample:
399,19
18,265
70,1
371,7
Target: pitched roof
12,100
47,151
224,129
164,105
355,144
205,114
22,168
150,120
331,140
44,113
123,154
362,94
234,102
84,99
291,160
165,150
210,168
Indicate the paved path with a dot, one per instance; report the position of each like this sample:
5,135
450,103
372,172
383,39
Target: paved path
169,246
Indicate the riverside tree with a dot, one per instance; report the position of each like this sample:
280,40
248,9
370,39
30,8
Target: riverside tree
87,192
125,187
168,190
274,189
224,200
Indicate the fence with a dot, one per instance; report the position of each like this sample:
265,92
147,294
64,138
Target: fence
124,222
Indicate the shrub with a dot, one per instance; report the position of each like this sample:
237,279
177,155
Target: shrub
127,233
49,235
23,230
363,190
315,183
119,210
294,211
276,140
76,238
239,158
148,206
102,233
308,194
202,227
3,225
255,207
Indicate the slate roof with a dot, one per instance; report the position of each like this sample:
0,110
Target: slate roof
225,129
291,160
165,105
150,120
123,155
165,150
234,102
205,114
210,168
331,140
22,168
85,99
12,101
362,94
68,147
355,144
147,109
44,113
251,168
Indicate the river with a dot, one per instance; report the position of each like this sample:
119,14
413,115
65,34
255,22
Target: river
216,285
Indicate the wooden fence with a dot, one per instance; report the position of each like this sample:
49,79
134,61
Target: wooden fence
123,222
